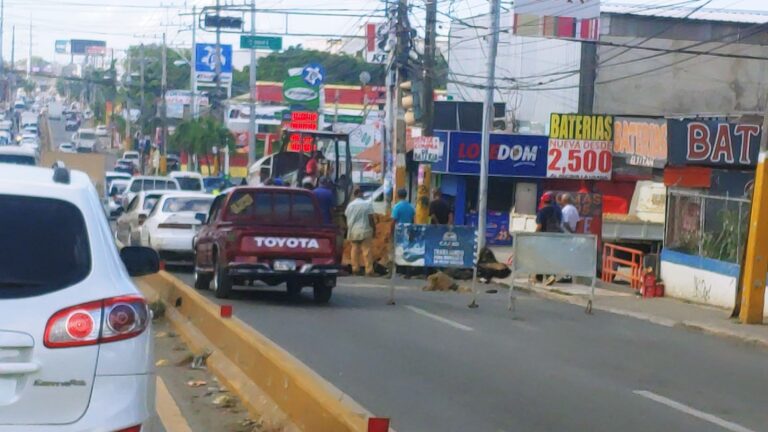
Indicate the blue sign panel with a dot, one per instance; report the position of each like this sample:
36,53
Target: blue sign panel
313,74
435,246
510,155
496,228
205,58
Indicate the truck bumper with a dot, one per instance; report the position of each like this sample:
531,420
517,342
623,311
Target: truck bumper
306,271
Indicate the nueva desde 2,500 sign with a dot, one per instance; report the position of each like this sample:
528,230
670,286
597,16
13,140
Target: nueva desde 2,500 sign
580,146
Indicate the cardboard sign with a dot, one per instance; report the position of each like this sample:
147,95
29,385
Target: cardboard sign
427,149
580,146
712,143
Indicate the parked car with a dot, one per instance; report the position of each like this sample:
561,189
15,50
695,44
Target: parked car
271,234
67,147
142,183
134,215
77,351
171,225
188,180
102,131
12,154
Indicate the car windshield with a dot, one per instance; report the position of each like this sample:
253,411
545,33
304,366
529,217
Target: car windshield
44,247
182,204
17,159
87,136
189,183
269,207
150,201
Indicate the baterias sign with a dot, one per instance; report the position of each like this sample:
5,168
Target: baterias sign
580,146
712,143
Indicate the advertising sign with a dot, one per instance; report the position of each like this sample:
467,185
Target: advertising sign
376,35
61,46
510,155
298,93
712,143
205,62
641,141
580,146
590,208
567,19
496,227
427,149
435,246
80,46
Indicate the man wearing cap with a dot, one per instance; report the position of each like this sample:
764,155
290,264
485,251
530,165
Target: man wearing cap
549,218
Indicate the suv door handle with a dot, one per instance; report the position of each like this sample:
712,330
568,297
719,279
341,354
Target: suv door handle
18,368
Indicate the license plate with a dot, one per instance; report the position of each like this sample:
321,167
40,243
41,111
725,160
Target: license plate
284,265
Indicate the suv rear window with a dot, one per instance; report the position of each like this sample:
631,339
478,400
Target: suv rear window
17,159
281,208
190,183
43,246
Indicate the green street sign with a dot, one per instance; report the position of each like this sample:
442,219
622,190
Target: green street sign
272,43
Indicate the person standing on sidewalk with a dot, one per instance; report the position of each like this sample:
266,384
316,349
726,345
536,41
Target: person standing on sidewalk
570,213
439,210
360,231
549,219
403,213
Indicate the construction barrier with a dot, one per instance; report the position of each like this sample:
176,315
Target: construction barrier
611,264
269,380
554,254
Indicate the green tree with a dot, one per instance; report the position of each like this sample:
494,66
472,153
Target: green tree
339,68
199,136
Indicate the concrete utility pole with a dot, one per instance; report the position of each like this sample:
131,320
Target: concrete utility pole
163,89
428,118
29,53
217,77
128,139
756,262
252,98
482,195
192,62
141,78
2,19
12,84
401,59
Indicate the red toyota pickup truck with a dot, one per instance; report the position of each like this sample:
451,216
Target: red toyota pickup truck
270,234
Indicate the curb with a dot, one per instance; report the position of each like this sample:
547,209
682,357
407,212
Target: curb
271,382
666,322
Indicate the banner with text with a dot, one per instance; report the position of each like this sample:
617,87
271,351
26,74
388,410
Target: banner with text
641,141
580,146
712,143
435,246
427,149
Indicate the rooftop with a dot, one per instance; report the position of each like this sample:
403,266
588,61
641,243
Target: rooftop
703,14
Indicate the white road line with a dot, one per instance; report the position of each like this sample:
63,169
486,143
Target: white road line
725,424
169,413
451,323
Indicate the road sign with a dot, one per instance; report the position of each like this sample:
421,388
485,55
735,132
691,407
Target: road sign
273,43
61,46
206,58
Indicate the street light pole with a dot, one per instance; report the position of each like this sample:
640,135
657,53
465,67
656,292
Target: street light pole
252,117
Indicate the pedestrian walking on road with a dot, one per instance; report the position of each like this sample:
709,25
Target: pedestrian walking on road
439,210
360,231
570,213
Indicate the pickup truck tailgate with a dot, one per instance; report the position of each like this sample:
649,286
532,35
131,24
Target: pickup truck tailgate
295,243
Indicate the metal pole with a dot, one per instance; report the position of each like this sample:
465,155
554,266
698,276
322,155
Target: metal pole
29,54
482,195
217,78
252,98
192,62
128,141
2,19
141,79
163,89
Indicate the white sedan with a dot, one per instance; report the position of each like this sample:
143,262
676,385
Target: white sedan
173,223
102,131
128,224
67,147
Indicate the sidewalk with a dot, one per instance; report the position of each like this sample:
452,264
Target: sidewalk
665,311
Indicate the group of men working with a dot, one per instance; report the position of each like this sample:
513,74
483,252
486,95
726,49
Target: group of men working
560,216
361,225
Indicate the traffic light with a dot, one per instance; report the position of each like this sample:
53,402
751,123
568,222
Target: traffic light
412,100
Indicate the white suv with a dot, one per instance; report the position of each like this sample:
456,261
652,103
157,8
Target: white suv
75,342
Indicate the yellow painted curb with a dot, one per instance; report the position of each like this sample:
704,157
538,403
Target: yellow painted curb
259,371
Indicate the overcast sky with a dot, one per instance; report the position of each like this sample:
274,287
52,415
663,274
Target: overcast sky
122,23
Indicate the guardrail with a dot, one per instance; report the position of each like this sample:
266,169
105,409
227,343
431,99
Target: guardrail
611,263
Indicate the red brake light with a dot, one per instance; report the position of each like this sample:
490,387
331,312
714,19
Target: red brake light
102,321
136,428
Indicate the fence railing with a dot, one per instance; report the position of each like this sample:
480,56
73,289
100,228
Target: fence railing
612,263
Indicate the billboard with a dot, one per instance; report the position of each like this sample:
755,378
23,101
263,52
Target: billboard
435,245
81,46
580,146
712,143
376,36
640,141
566,19
61,46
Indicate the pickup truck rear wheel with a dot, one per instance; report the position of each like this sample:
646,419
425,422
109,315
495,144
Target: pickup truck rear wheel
321,292
222,283
202,280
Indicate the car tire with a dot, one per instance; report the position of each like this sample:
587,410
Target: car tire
222,283
202,280
294,289
322,292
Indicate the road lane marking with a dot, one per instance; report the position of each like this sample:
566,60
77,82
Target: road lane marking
169,413
725,424
451,323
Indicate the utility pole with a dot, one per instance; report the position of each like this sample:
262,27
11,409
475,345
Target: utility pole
128,139
164,112
217,78
192,62
422,200
29,53
482,195
11,86
252,99
141,80
2,65
401,60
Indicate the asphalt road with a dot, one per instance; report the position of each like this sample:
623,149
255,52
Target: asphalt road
59,135
432,364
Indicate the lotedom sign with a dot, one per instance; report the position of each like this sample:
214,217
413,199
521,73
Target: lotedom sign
641,141
712,143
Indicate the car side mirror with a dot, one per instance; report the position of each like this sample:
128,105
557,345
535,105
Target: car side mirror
202,217
139,260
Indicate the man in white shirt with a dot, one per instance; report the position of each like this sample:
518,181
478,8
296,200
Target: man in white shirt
360,231
570,214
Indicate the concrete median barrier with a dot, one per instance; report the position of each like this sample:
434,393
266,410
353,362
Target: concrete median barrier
271,382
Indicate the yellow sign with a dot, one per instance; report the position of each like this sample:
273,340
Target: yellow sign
581,127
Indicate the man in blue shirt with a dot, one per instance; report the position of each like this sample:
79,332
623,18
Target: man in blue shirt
325,199
403,212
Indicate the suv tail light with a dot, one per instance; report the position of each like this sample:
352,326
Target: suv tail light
101,321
